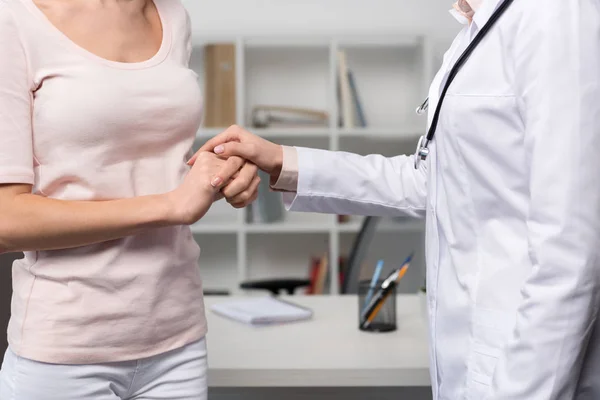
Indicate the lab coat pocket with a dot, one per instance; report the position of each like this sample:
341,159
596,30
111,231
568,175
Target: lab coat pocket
490,333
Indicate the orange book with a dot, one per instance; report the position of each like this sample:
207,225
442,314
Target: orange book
219,86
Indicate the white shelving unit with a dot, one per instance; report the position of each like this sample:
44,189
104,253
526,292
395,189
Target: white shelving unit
392,75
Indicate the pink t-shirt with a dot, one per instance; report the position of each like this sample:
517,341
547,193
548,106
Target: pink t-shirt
80,127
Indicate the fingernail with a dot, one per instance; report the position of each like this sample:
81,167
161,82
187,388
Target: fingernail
219,149
216,181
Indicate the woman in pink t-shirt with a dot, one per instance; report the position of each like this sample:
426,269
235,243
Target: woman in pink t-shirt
98,112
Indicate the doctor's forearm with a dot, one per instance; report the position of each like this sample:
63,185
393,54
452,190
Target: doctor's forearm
345,183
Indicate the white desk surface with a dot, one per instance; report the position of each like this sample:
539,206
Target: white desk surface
327,351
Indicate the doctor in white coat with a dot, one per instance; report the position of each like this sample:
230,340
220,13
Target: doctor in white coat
511,194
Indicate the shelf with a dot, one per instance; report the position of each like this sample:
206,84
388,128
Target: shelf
391,73
271,133
380,41
300,132
394,133
291,228
386,226
288,42
308,132
288,228
215,228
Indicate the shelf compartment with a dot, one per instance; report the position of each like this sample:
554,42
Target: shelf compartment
218,263
287,77
389,80
200,228
284,256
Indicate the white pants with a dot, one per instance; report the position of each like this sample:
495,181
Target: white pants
177,375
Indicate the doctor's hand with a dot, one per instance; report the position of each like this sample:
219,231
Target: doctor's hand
237,141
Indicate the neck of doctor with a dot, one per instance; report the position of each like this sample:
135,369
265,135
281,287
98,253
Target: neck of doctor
468,8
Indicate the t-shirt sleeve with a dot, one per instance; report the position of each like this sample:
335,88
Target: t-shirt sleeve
188,35
16,142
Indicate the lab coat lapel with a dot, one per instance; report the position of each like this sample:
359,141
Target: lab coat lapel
480,18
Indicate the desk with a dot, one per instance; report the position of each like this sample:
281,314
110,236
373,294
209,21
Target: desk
326,352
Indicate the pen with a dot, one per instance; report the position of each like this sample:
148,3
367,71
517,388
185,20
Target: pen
374,281
386,289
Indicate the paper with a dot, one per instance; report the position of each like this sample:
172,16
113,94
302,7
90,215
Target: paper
262,311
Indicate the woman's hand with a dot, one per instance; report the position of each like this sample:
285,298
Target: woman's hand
200,188
243,189
236,141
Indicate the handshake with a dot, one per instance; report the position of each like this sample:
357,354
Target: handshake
225,167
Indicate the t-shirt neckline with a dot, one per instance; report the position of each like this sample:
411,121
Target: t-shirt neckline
158,57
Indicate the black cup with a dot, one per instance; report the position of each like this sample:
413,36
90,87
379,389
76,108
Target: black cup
385,319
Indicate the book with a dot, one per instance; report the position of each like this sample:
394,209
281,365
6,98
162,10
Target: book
346,102
262,311
315,265
269,203
268,207
276,116
352,112
320,282
220,85
361,120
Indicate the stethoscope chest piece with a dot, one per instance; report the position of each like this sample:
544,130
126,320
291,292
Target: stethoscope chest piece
422,151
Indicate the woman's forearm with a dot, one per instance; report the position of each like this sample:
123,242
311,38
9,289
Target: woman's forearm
31,222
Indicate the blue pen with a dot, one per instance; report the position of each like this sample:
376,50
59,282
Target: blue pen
374,280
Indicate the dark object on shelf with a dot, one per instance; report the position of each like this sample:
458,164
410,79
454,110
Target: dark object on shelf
216,292
268,207
276,286
357,255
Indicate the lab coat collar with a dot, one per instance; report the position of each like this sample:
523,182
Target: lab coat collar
484,13
459,17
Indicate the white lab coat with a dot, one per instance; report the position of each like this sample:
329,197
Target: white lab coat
511,192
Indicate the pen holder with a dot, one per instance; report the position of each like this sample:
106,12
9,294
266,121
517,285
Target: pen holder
385,319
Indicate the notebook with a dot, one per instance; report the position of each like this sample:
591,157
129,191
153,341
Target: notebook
262,311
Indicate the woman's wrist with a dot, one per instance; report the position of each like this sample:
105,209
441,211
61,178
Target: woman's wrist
165,211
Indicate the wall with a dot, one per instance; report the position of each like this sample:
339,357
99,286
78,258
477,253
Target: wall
230,17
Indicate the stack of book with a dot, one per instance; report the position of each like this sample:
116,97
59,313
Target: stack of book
288,117
351,109
320,276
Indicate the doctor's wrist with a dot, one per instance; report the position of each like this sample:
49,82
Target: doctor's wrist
277,163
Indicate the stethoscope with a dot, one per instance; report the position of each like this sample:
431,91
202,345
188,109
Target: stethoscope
423,146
